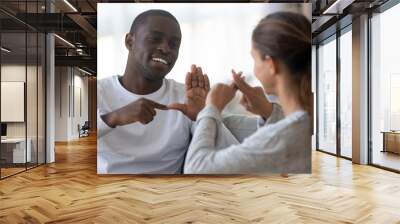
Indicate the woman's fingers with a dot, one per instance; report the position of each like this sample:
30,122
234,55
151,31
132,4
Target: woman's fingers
233,84
241,83
234,72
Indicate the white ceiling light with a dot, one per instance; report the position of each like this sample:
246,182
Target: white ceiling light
86,72
5,50
79,51
64,40
338,6
70,5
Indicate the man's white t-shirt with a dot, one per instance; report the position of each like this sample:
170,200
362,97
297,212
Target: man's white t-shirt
157,147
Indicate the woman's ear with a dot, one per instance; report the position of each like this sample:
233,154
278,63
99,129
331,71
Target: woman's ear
272,64
129,40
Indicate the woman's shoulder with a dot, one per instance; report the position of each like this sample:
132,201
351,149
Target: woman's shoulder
294,124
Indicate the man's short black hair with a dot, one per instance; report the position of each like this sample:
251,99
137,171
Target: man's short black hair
144,15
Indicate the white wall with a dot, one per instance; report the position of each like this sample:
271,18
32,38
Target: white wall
12,73
61,103
80,84
69,82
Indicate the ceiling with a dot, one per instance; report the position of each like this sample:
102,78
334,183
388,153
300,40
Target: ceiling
76,24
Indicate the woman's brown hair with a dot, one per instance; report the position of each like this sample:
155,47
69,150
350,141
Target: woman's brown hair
286,36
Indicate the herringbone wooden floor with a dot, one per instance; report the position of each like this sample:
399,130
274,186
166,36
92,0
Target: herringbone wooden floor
70,191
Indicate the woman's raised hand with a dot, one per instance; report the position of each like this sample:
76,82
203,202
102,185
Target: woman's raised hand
220,95
253,98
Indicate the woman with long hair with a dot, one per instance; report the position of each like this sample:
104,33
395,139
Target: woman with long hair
280,140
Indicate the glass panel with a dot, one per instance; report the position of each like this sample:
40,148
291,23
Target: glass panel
327,97
13,87
314,90
385,84
31,98
77,111
23,89
346,94
41,99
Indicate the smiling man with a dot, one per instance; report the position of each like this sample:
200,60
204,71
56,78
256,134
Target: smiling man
136,131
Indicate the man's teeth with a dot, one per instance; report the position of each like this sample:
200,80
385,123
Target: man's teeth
160,60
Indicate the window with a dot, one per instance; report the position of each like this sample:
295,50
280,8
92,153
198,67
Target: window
327,96
22,65
346,93
385,88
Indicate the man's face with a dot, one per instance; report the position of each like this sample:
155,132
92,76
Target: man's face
156,46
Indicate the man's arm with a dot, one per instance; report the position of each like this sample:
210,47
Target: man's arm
141,110
102,127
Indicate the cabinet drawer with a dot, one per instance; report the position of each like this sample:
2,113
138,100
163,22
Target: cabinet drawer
392,142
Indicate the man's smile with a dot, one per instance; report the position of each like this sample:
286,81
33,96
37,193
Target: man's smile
160,60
